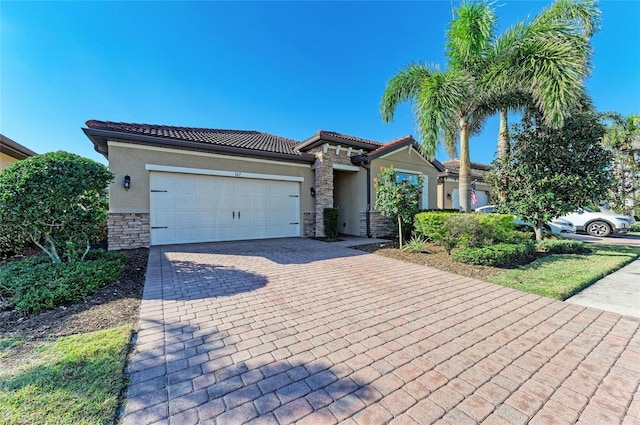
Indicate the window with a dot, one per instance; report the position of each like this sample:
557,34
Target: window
413,178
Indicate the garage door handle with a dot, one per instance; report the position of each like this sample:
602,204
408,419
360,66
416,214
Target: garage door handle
233,214
238,215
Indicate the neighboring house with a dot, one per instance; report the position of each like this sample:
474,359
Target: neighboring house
448,180
199,185
11,152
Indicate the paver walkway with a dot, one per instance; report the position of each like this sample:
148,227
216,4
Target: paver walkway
297,330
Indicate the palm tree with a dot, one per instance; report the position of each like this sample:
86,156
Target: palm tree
563,19
487,74
623,138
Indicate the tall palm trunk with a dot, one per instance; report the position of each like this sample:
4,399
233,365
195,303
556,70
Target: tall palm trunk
503,150
503,135
464,184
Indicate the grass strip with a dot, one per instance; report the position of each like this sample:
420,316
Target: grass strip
560,276
72,380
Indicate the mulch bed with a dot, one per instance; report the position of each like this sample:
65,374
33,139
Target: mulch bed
437,257
114,305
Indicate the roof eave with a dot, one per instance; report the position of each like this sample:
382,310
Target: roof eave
410,141
14,149
99,139
320,139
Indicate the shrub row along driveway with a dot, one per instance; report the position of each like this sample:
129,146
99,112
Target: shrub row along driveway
299,330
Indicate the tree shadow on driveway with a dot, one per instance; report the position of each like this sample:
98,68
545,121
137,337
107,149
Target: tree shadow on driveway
201,382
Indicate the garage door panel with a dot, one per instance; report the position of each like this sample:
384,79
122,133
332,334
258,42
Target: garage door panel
194,208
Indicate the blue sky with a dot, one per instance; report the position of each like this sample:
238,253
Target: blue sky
286,68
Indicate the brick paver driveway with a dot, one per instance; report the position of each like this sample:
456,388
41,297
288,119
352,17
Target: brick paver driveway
298,330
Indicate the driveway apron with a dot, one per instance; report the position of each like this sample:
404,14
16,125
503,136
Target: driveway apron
302,331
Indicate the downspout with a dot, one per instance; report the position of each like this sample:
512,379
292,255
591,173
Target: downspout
368,217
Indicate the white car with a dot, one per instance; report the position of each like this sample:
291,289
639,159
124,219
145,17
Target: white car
600,223
556,226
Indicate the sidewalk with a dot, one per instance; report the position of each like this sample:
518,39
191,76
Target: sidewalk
618,292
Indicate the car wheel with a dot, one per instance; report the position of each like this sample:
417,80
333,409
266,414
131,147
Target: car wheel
599,228
546,230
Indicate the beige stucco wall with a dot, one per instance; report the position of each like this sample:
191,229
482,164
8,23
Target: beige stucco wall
131,159
449,185
350,197
6,160
406,159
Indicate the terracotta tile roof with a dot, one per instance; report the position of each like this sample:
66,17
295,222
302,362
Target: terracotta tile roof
454,164
392,145
452,169
322,133
243,139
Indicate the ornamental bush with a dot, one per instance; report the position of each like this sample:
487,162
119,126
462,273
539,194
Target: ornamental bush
35,284
431,225
453,229
330,219
495,255
11,242
56,200
563,246
398,197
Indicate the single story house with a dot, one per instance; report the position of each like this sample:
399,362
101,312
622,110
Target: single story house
11,151
185,185
448,181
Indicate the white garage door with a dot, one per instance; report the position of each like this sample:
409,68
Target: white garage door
188,208
483,199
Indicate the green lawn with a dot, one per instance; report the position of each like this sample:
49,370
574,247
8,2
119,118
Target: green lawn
563,275
72,380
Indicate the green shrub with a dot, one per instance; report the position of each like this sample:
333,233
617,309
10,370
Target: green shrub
501,226
518,236
432,225
454,229
563,246
416,244
495,255
58,201
330,219
11,242
635,227
36,284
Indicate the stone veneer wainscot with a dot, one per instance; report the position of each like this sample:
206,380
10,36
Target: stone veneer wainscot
128,231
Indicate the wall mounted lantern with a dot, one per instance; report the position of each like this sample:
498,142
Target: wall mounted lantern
448,196
126,183
313,191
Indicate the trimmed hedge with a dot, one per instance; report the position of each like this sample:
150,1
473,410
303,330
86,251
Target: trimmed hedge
563,246
477,229
330,219
11,242
432,225
495,255
635,227
35,283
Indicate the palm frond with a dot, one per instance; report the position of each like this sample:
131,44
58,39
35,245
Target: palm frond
470,34
402,87
439,106
582,16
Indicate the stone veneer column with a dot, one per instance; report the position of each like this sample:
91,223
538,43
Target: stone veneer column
323,167
128,231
